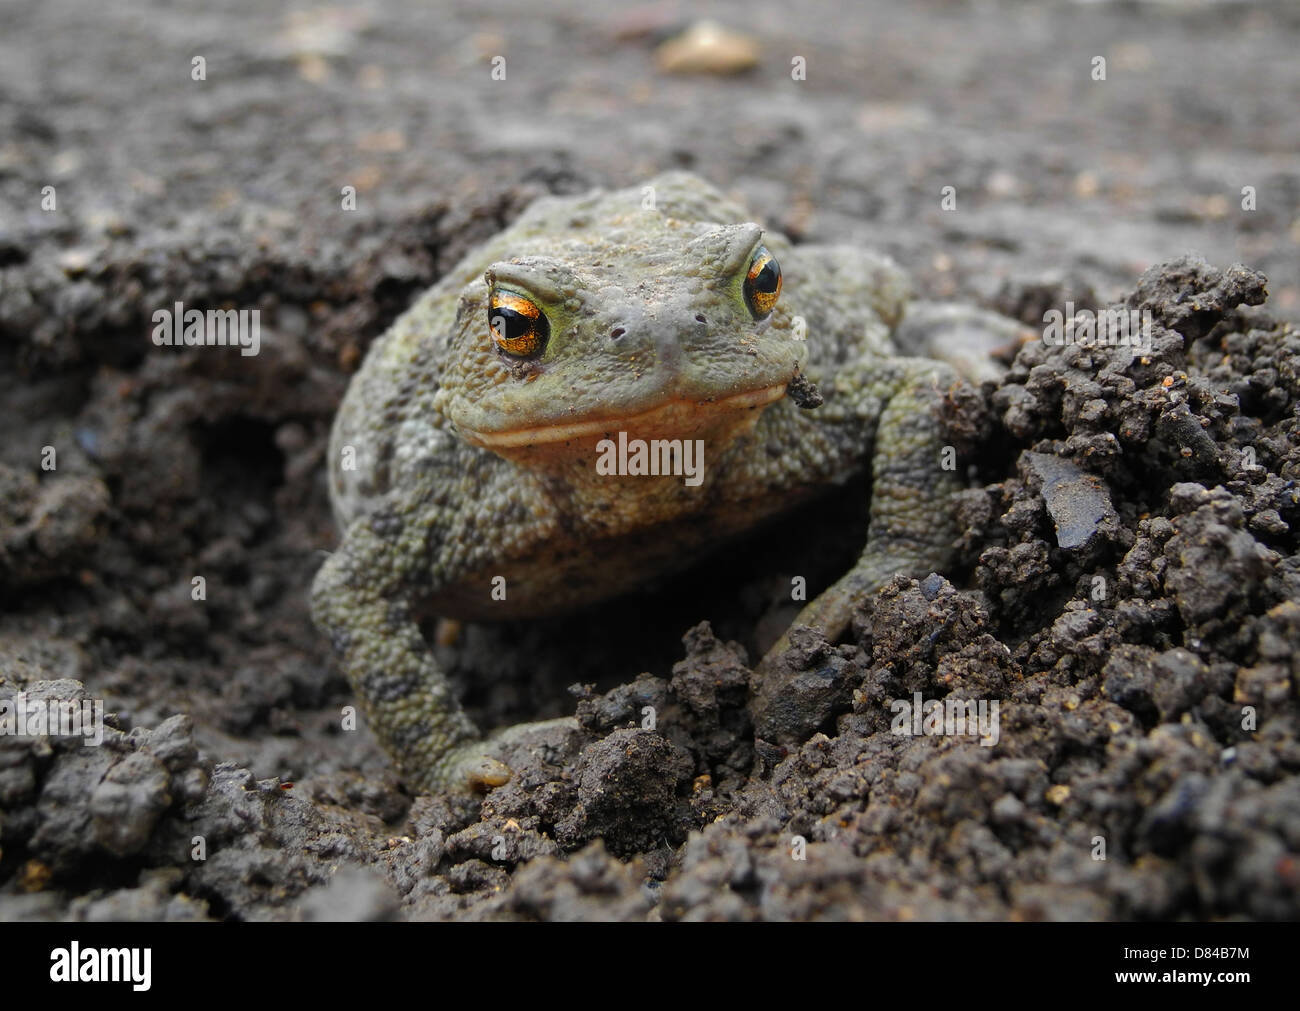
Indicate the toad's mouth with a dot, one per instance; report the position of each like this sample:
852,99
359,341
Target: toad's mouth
681,416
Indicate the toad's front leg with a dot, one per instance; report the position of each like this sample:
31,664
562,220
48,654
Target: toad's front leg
912,529
361,598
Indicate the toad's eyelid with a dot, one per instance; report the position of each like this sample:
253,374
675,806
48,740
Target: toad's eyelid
528,279
742,252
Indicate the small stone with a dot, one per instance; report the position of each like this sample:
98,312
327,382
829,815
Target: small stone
707,48
1079,502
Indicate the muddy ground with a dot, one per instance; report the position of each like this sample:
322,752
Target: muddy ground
1129,587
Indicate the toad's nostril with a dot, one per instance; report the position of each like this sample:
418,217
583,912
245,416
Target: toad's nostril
616,333
699,318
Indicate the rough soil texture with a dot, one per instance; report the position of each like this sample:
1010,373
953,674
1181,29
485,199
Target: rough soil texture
1129,589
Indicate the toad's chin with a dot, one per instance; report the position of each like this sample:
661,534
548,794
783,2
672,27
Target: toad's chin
671,419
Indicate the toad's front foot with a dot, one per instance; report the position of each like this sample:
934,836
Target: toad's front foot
479,765
408,702
911,531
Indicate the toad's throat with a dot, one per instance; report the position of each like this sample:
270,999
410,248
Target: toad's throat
681,416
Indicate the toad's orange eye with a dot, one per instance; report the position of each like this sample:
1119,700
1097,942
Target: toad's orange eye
518,325
762,283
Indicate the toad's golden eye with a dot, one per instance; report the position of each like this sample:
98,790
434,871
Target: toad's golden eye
762,283
518,325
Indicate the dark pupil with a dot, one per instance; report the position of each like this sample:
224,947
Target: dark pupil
765,279
509,323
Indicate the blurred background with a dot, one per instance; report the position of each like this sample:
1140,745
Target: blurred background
1056,173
